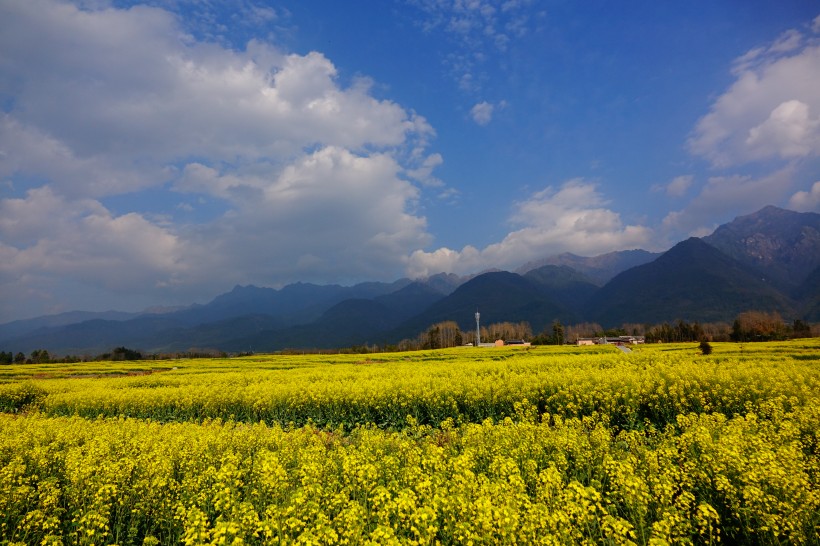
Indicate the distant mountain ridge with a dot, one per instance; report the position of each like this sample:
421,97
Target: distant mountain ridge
499,296
692,281
783,245
21,327
598,269
563,285
767,261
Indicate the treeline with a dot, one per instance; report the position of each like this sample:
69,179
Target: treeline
42,356
748,326
448,334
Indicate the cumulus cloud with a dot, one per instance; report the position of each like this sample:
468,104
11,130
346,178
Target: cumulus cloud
81,87
317,178
332,215
571,218
81,238
771,111
807,201
768,122
788,132
482,113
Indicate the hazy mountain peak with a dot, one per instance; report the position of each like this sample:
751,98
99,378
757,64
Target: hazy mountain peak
599,269
782,244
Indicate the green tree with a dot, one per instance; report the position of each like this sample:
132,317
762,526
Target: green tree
433,338
558,332
123,353
40,356
801,329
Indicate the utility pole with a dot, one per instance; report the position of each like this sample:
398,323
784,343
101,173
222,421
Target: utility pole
477,329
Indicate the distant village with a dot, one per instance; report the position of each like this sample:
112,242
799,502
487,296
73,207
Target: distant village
604,340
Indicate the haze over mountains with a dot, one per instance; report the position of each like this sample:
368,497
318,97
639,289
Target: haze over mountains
767,261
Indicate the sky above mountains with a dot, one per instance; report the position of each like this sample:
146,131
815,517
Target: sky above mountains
158,153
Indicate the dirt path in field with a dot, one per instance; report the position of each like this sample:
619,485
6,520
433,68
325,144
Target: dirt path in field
132,373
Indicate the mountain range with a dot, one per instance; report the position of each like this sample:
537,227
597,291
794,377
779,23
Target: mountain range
766,261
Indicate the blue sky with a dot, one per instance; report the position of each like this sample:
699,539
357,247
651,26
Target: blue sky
161,152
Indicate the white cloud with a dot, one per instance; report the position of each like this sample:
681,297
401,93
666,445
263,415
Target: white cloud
482,113
81,239
26,149
788,41
317,178
725,197
771,111
788,132
78,81
677,187
332,215
807,201
423,264
769,121
424,172
572,218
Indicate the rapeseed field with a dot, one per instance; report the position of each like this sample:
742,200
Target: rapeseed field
542,445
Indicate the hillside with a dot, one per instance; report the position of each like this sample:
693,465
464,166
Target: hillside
563,285
499,297
692,281
808,297
783,245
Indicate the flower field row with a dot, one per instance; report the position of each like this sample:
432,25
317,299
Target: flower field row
466,386
124,481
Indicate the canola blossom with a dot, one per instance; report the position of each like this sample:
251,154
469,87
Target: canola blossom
468,446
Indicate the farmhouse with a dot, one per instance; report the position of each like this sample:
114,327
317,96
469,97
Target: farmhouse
610,340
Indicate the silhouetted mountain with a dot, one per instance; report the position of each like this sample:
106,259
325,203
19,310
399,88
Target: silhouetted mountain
97,336
692,281
783,245
296,303
563,285
350,322
411,300
345,324
200,325
598,269
498,296
19,328
213,335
